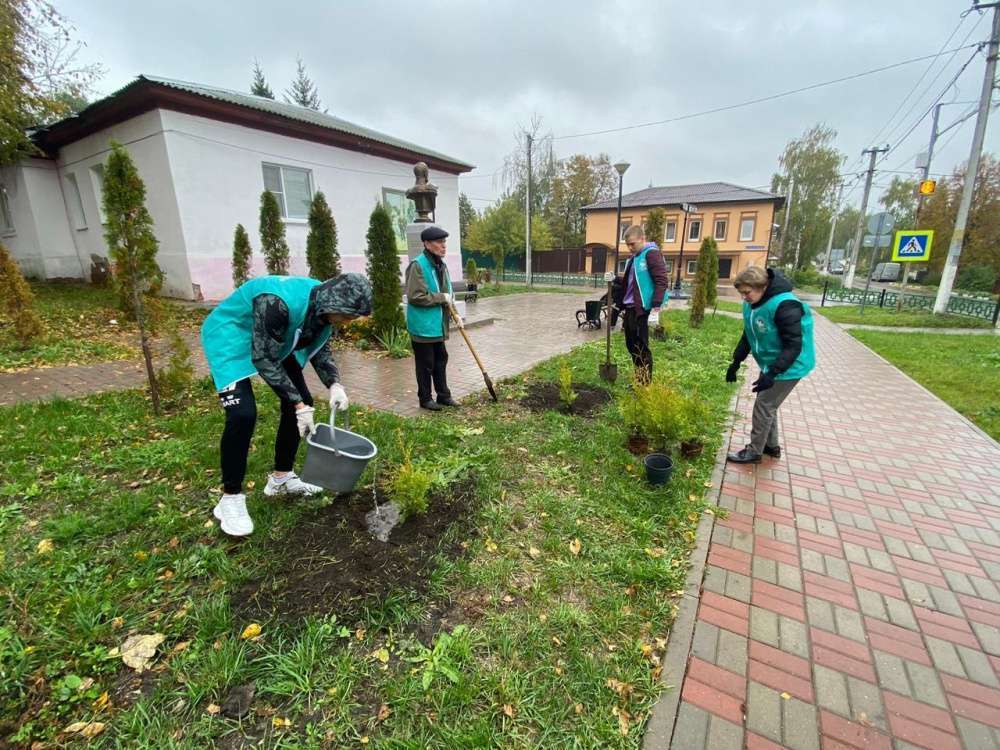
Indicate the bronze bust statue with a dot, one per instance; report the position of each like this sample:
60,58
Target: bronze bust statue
423,194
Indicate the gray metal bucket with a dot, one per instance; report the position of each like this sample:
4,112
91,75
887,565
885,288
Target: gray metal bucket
336,457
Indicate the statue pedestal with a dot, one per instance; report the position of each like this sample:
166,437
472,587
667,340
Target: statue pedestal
413,244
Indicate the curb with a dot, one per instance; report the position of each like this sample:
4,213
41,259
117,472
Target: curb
663,715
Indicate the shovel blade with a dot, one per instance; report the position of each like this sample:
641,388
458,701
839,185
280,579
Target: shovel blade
608,372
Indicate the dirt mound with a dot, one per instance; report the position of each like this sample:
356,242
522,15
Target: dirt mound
330,563
545,397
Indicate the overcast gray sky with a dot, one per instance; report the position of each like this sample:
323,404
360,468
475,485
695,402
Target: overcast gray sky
459,76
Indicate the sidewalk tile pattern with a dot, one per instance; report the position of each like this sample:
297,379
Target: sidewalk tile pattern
851,597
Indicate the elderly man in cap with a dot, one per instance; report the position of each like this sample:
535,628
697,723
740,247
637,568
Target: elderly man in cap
428,298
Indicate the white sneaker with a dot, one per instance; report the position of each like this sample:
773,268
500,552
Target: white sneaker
232,513
290,484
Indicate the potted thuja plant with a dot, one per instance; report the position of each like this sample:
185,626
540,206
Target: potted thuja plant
695,420
656,411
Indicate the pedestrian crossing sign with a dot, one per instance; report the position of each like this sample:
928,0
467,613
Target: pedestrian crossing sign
912,245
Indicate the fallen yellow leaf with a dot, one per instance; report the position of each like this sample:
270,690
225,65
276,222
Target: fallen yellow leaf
655,552
578,708
138,650
213,709
280,723
534,553
45,547
575,546
383,712
360,634
491,546
101,701
786,696
250,631
87,729
508,710
382,655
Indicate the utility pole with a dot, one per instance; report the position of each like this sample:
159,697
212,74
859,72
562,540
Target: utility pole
833,227
788,216
972,171
527,219
859,232
925,171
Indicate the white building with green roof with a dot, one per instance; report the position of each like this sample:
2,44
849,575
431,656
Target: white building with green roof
206,154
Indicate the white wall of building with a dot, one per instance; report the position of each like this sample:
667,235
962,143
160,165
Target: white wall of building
218,177
41,241
144,138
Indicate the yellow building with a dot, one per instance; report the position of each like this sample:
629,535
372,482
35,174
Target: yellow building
740,219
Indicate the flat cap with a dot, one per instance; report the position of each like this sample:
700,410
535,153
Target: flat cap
433,233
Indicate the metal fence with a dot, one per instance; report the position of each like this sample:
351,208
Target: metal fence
594,280
957,305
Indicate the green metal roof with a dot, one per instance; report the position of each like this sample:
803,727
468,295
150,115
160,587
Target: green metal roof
293,112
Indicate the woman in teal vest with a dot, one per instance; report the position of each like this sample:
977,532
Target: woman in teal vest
778,331
271,326
428,298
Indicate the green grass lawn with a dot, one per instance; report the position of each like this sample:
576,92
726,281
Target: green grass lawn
885,316
82,325
962,370
563,566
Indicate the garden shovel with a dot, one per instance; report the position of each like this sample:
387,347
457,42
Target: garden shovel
461,329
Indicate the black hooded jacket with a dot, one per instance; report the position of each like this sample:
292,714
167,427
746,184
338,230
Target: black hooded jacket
349,294
787,319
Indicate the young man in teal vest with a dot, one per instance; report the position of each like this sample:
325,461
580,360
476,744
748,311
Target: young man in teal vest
428,298
645,284
778,331
271,326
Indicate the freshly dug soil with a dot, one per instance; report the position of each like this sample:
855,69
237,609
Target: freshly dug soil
545,397
638,445
330,563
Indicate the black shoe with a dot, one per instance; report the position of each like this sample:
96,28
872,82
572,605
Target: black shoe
447,401
746,456
774,452
430,406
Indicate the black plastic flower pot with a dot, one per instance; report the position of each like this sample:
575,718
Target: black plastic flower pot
659,467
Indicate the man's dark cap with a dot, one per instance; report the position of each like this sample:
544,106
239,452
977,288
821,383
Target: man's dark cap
432,233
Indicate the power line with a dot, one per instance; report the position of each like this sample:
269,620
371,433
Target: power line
759,100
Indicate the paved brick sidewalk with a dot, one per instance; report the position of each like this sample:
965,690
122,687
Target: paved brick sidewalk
850,598
526,329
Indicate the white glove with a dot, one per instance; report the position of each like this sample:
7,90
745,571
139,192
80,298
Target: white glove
338,397
304,420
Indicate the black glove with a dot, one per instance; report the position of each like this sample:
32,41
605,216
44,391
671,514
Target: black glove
731,372
762,383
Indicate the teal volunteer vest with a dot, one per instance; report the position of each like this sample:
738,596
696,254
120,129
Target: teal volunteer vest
427,322
227,333
644,279
762,333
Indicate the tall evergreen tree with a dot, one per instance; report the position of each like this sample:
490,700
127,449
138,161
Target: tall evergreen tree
656,222
703,279
259,86
132,247
272,235
242,256
711,248
303,90
383,273
321,245
18,300
466,215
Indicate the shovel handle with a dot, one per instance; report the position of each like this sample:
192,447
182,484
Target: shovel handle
461,330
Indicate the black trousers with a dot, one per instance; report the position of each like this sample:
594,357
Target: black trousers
637,342
241,417
431,361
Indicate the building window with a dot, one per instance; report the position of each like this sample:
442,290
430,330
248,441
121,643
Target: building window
6,220
669,262
97,180
747,227
621,266
725,267
625,224
694,230
670,232
692,267
75,203
292,187
721,227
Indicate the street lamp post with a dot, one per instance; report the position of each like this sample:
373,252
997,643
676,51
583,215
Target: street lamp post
620,167
688,209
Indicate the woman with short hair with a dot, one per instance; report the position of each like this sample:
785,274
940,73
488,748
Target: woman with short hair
778,331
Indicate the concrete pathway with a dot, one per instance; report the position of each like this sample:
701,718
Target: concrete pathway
851,597
946,331
519,331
